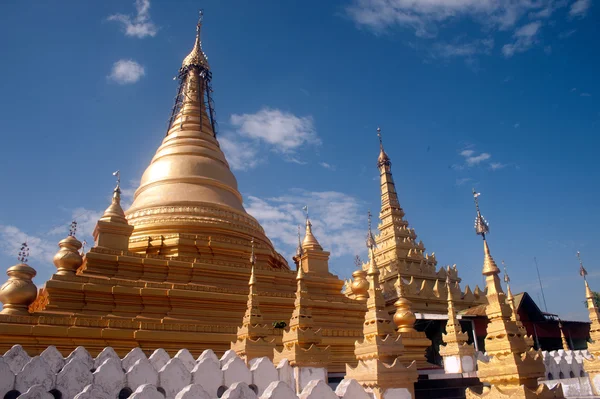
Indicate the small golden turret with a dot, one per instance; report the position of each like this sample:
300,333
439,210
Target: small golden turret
591,366
360,285
310,241
68,259
301,341
515,314
380,365
563,338
112,230
514,368
19,291
456,347
252,336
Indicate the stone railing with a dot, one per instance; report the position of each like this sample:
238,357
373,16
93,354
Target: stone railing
79,376
565,364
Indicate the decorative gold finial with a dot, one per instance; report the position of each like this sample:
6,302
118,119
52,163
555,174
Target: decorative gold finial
310,240
68,259
481,225
197,57
252,256
114,212
19,291
506,277
383,159
582,272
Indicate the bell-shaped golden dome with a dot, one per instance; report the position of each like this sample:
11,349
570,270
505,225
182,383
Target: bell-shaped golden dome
188,191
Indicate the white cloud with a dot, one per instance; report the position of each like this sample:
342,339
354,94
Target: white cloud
284,131
471,159
339,222
270,130
525,37
40,249
241,154
327,165
139,25
463,181
467,153
585,95
426,16
580,8
497,165
126,72
463,49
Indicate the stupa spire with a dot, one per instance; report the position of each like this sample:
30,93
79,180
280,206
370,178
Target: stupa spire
379,364
251,336
455,340
197,55
515,314
19,291
514,368
301,341
310,241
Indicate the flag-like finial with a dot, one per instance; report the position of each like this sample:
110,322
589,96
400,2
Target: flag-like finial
582,272
23,253
358,261
299,251
83,244
481,225
379,136
73,228
118,187
305,209
370,238
506,277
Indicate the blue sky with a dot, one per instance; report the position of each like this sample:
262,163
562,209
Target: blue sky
502,96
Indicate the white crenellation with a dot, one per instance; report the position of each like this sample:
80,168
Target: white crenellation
173,377
73,378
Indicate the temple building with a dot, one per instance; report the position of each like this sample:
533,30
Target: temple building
172,272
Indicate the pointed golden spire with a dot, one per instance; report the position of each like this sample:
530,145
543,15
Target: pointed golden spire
310,241
514,367
251,336
454,338
197,56
114,212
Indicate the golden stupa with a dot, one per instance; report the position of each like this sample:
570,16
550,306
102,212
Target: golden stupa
172,272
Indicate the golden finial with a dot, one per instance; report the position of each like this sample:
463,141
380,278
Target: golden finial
309,239
114,212
383,159
197,57
506,277
360,285
252,256
19,291
481,225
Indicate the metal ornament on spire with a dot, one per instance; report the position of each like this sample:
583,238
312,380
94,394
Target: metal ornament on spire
481,225
73,228
379,136
582,272
370,238
299,250
252,256
23,253
506,278
305,209
118,175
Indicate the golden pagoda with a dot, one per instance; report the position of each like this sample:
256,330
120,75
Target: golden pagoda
171,271
380,365
251,336
456,347
398,251
514,367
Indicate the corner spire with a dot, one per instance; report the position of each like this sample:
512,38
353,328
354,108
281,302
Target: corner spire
115,212
19,291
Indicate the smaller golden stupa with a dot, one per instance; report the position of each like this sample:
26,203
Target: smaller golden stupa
514,368
456,348
252,337
19,291
379,353
513,308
